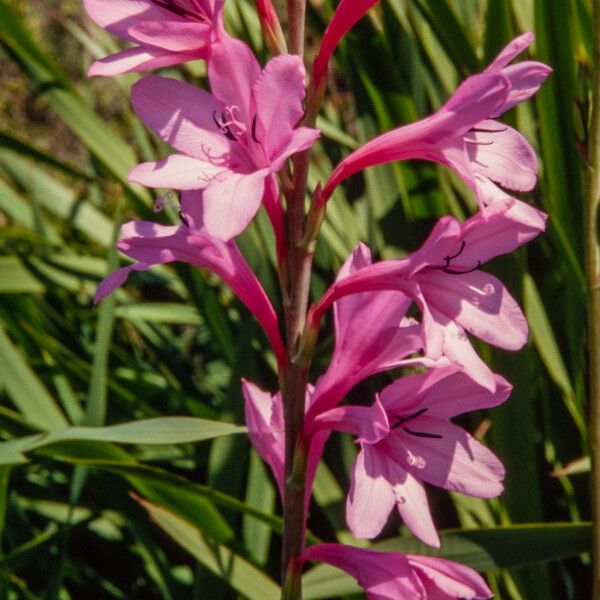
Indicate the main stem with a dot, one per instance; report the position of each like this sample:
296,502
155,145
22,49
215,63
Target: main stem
592,268
296,375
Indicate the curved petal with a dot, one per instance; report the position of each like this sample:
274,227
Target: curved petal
501,153
153,244
451,578
478,302
178,172
347,13
229,203
116,279
458,394
371,497
232,71
510,51
117,16
412,505
183,116
277,94
175,35
455,461
383,575
264,419
301,139
498,229
138,59
525,79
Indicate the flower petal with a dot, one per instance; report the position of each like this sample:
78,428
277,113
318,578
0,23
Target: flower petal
264,419
230,202
347,13
175,35
412,505
371,497
501,153
177,172
510,51
456,461
232,71
452,579
183,116
499,228
278,93
117,16
478,302
383,575
138,59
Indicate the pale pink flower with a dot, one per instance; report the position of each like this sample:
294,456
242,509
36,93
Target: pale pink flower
167,32
406,439
150,244
229,142
463,134
397,576
454,296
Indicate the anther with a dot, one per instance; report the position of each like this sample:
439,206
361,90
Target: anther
223,128
433,436
402,420
455,272
254,130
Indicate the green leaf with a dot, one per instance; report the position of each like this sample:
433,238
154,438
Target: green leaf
159,312
546,345
241,575
161,430
27,392
15,278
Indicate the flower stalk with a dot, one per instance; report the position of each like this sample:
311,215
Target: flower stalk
592,268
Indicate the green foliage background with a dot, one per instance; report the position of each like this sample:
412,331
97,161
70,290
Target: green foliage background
176,342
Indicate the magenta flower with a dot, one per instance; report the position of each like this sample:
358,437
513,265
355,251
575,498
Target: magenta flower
406,439
229,142
454,296
150,244
397,576
463,134
386,337
168,32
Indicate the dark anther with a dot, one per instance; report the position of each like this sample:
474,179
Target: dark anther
402,420
455,272
223,128
446,268
460,251
433,436
254,130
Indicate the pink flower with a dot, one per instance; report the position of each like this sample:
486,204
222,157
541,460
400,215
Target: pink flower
443,278
396,576
168,32
463,134
406,439
150,244
229,142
